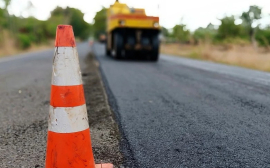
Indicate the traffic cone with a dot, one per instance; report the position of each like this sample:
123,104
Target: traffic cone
69,142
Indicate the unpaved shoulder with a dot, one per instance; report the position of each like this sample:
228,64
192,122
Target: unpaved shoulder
104,130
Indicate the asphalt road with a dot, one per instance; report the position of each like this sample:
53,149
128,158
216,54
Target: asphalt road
185,113
174,113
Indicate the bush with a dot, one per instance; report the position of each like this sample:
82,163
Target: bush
24,41
229,30
236,40
205,34
263,37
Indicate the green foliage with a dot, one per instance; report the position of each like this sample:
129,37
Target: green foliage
99,25
70,16
228,29
34,29
31,30
181,33
253,14
3,21
263,37
165,32
80,27
24,41
7,3
227,33
250,17
51,24
233,40
58,11
205,34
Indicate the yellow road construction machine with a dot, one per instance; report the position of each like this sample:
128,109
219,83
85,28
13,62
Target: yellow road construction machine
130,32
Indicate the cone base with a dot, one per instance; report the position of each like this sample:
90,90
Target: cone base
106,165
69,150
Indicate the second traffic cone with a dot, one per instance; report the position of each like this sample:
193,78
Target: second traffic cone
69,142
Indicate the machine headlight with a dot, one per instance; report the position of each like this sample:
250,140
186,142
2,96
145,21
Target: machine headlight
122,22
156,24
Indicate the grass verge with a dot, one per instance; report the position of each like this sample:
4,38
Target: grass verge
243,56
8,46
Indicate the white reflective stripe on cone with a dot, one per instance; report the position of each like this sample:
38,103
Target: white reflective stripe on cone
68,119
66,68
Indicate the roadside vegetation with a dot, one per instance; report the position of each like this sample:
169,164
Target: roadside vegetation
238,40
19,34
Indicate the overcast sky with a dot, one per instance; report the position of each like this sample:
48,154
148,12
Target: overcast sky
193,13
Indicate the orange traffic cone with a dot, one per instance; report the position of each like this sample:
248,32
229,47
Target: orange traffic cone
69,143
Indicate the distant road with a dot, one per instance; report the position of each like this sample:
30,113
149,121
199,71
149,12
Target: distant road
186,113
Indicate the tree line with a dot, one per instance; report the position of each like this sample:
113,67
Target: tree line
249,31
30,30
27,31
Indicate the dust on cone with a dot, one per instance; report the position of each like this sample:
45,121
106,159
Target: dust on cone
69,142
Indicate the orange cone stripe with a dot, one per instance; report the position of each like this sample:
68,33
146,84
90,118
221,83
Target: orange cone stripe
67,96
66,150
64,36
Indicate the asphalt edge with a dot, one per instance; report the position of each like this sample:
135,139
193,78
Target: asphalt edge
111,103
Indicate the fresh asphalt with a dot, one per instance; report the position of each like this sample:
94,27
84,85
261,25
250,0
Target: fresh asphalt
186,113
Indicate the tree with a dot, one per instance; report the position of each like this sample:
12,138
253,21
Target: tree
164,31
181,33
228,29
9,19
70,16
80,27
205,34
263,37
65,14
249,18
3,23
3,20
99,25
58,11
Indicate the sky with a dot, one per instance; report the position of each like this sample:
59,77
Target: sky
193,13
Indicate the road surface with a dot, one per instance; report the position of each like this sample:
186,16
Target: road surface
186,113
172,114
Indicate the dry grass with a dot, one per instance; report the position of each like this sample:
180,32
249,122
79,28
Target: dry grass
8,46
244,56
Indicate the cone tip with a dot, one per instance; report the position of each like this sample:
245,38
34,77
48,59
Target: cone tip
64,36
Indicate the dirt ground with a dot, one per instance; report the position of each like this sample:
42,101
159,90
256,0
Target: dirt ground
104,131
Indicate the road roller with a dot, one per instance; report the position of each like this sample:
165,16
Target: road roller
131,33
